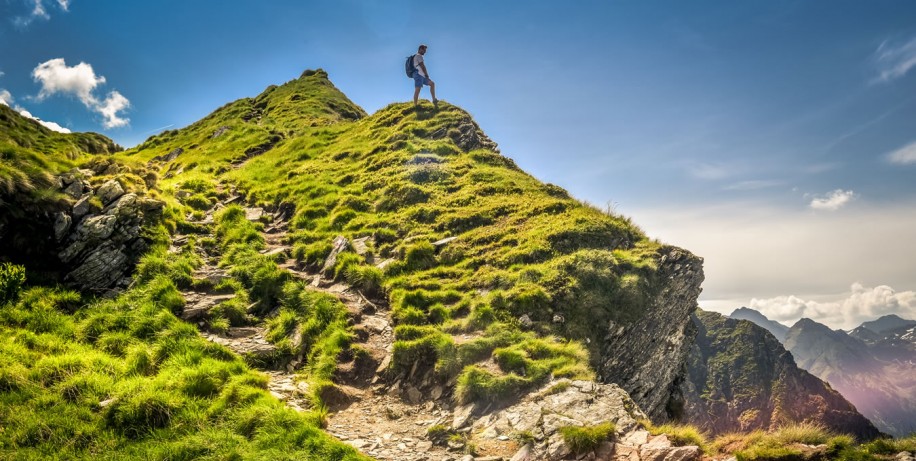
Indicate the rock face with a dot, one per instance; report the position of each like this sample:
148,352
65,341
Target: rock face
103,248
647,357
741,378
93,242
541,415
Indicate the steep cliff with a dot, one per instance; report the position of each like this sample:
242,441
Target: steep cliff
741,378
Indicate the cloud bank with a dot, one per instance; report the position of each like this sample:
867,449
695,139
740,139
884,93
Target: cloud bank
861,304
832,201
80,81
757,250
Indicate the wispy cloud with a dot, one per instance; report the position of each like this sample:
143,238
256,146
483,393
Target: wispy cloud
39,10
80,81
905,155
860,304
832,201
895,59
708,171
754,184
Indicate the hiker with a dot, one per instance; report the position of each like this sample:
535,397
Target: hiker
421,77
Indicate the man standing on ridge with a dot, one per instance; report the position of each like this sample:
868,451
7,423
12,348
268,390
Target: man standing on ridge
421,77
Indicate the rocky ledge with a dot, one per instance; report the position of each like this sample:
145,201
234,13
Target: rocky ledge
538,421
101,235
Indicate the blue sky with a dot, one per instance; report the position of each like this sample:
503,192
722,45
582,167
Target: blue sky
775,139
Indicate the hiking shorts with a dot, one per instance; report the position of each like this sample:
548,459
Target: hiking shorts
419,80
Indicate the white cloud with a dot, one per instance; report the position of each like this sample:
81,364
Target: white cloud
895,60
49,125
38,10
110,107
860,304
832,201
80,81
906,155
5,97
56,77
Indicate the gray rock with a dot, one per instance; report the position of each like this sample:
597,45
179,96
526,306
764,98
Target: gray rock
525,321
110,191
340,244
112,169
102,249
543,413
650,453
84,206
62,223
75,189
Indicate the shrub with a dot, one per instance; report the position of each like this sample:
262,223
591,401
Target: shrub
11,279
582,439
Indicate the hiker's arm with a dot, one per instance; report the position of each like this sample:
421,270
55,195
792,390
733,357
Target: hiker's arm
425,72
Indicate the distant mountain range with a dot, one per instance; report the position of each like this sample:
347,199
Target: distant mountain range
741,378
873,365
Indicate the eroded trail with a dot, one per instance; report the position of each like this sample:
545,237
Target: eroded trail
387,421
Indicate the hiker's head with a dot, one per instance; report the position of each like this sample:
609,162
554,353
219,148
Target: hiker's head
421,49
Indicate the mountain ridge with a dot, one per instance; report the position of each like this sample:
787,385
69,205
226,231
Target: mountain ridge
493,285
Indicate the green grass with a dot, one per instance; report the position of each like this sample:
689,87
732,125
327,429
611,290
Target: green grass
404,177
680,435
583,439
784,444
400,177
124,378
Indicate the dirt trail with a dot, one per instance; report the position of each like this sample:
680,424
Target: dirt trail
383,420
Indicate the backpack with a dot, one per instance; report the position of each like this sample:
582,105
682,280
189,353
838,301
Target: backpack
408,66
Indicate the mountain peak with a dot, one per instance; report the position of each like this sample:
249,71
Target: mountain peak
887,322
777,329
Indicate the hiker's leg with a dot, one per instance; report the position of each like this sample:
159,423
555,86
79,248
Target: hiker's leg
418,81
432,89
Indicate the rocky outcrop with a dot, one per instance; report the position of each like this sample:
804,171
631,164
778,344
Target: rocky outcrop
102,247
741,379
539,418
647,357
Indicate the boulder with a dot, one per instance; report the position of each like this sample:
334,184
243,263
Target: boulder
110,191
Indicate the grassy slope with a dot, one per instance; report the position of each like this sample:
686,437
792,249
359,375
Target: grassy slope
124,378
31,154
402,177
